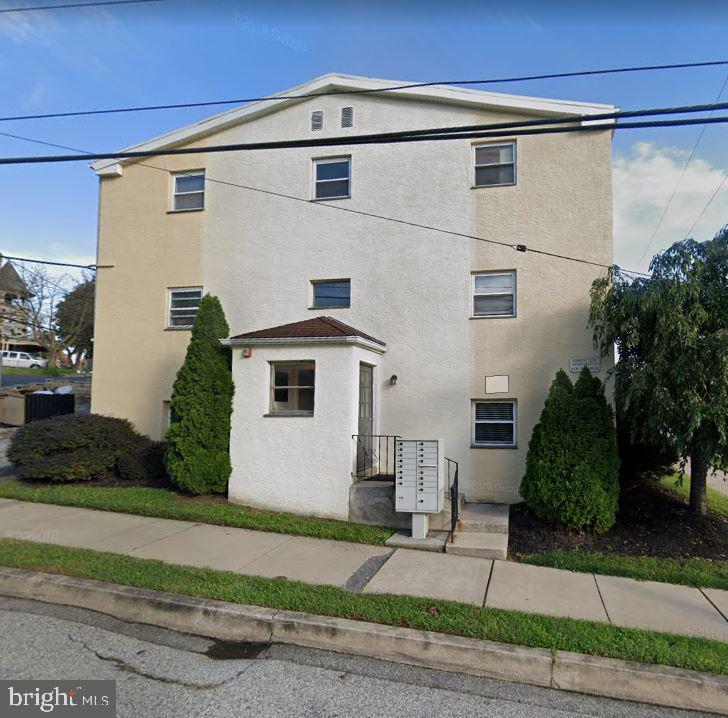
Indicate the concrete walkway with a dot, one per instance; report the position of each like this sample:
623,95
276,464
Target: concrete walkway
375,569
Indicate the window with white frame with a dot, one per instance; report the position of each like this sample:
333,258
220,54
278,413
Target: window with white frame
494,294
332,178
292,387
188,190
183,305
331,293
494,423
495,164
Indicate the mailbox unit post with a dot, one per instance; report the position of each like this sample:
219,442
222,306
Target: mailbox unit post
419,481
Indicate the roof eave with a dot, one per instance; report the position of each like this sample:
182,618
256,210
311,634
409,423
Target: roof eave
442,93
295,341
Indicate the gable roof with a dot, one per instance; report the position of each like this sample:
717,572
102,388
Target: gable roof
338,82
318,328
11,282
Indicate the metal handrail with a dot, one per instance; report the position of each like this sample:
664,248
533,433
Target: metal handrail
454,499
375,456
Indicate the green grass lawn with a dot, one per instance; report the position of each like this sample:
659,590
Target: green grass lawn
699,572
428,614
27,371
717,502
168,504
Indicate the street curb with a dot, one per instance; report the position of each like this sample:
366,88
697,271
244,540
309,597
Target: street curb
660,685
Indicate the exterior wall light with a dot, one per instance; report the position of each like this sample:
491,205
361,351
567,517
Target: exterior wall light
393,379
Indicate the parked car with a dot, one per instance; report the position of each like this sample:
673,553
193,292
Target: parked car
23,360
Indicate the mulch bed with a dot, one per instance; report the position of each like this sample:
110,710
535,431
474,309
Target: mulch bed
651,522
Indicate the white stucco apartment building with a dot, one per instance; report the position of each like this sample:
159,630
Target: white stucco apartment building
396,329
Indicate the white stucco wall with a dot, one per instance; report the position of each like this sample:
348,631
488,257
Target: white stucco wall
296,463
410,287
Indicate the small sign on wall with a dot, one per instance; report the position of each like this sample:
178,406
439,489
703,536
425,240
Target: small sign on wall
592,363
496,384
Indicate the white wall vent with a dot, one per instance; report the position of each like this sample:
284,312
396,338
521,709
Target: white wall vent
317,120
347,116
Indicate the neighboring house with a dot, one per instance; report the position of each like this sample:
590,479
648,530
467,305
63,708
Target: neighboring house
345,324
15,315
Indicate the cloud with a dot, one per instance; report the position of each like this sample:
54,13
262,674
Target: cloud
643,182
26,27
36,96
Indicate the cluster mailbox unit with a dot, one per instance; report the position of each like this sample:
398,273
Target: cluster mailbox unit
419,481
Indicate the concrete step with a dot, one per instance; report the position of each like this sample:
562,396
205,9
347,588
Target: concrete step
481,545
484,518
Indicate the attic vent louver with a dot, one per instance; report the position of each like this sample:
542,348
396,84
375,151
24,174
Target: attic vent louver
317,120
347,116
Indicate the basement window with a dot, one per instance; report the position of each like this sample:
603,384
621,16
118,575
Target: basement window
292,388
188,191
494,423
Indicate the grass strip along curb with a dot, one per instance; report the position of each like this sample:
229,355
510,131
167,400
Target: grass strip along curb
698,572
166,504
491,624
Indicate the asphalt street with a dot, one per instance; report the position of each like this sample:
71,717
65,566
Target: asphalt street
162,673
10,379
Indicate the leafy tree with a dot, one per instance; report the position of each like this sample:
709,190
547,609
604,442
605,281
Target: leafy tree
75,320
197,456
572,463
671,332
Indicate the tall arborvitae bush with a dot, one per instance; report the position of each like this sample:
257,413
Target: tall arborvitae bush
572,465
197,456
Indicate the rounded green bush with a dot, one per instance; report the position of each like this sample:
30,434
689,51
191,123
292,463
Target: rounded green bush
572,465
143,462
77,447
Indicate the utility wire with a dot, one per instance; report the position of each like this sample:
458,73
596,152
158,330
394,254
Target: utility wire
705,209
75,5
49,262
354,141
389,88
517,247
679,181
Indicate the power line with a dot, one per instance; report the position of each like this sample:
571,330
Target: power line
705,209
48,261
353,141
516,247
75,5
389,88
682,174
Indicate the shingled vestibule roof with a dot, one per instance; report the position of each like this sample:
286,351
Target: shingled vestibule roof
316,328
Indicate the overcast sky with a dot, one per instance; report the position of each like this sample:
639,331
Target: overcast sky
192,50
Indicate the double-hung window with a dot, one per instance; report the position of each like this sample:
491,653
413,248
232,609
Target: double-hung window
495,164
494,294
494,423
331,293
188,190
292,387
332,178
183,305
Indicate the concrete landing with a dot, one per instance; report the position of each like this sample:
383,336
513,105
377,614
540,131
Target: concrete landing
435,541
484,518
480,545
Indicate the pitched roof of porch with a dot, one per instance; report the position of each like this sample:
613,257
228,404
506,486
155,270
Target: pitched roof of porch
316,328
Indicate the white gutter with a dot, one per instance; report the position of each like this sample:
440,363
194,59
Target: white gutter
293,341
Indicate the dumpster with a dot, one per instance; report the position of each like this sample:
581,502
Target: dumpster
43,405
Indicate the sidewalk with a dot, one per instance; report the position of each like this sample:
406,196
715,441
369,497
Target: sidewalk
375,569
